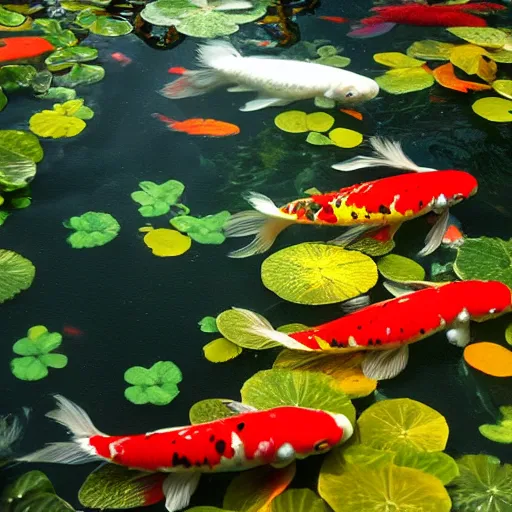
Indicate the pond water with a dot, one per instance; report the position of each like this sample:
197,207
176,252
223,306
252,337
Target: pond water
135,309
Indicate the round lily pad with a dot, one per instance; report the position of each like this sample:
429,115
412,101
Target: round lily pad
489,358
297,500
319,121
345,138
292,121
502,431
276,388
430,50
315,274
209,410
221,350
503,87
167,242
397,60
481,36
405,80
497,110
16,274
10,18
399,268
403,423
318,139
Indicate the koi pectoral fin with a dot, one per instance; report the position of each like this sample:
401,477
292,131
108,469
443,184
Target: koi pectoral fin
385,364
178,489
353,234
263,102
238,407
459,333
435,236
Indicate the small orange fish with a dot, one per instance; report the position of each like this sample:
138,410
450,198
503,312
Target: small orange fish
207,127
453,236
353,113
334,19
123,59
74,332
264,44
177,70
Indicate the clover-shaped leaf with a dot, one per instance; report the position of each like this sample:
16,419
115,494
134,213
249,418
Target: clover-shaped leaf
207,230
93,229
156,200
329,57
157,385
208,324
35,349
55,34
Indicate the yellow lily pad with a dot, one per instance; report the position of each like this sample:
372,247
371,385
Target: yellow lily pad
481,36
402,81
345,138
502,431
167,242
430,50
221,350
497,110
298,500
292,121
471,60
503,87
403,423
319,121
314,274
344,368
398,268
397,60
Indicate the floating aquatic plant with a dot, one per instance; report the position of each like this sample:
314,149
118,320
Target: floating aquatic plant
498,110
209,410
208,324
397,60
482,36
103,25
398,268
156,200
205,230
16,274
36,350
80,74
55,34
298,500
167,242
157,385
489,358
508,334
58,93
221,350
503,87
502,431
328,56
10,18
15,77
405,80
65,57
93,229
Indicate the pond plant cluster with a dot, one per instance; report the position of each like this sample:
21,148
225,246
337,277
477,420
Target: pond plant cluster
396,458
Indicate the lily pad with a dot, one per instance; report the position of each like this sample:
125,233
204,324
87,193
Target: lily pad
157,199
344,368
298,500
502,56
167,242
314,274
508,334
3,99
485,259
42,81
205,230
10,18
80,74
221,350
400,269
208,324
484,485
497,110
16,274
489,358
319,121
481,36
292,121
66,57
103,25
93,229
345,138
503,87
116,487
59,94
336,61
157,385
372,247
403,81
430,50
209,410
502,431
403,423
55,34
472,60
317,139
397,60
16,76
276,388
326,103
19,153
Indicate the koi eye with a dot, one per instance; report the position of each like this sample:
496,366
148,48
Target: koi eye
349,95
321,446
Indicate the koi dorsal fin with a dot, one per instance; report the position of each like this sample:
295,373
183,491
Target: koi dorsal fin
355,304
399,289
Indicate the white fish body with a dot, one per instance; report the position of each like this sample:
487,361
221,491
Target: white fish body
278,81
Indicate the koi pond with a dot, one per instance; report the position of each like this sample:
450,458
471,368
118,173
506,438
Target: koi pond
255,285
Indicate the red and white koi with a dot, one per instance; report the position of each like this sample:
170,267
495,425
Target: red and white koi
385,329
243,441
374,208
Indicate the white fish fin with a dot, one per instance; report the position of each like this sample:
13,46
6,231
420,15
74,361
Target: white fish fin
397,289
233,5
178,489
238,407
352,234
193,83
355,304
435,236
386,153
256,325
459,333
261,103
211,53
241,88
62,453
385,364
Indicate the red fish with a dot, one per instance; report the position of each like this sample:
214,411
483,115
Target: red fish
177,70
376,208
353,113
385,329
74,332
250,439
334,19
123,59
22,48
207,127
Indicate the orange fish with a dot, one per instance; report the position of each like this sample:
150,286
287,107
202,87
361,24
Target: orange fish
334,19
207,127
123,59
353,113
20,48
178,70
72,331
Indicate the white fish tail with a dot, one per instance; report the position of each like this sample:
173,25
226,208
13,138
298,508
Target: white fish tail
255,325
75,419
387,153
266,223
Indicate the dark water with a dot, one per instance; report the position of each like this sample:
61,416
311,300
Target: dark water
136,309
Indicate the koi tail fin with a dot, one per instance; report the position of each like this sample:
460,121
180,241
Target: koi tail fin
259,326
266,223
75,419
387,153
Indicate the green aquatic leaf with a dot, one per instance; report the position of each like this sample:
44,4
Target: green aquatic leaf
322,102
103,25
3,99
93,229
29,368
277,387
508,334
503,87
318,139
19,153
486,259
205,230
399,268
405,80
59,94
11,18
502,431
497,110
397,60
16,274
208,324
157,385
42,81
481,36
298,500
3,217
484,485
430,50
157,199
66,57
55,34
329,57
31,482
209,410
116,487
16,76
80,74
362,455
221,350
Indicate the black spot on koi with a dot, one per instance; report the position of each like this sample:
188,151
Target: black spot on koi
384,209
220,446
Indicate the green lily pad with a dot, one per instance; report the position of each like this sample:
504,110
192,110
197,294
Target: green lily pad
484,485
10,18
116,487
93,229
276,388
19,153
322,102
80,74
42,81
3,99
430,50
206,230
481,36
208,324
55,34
103,25
486,259
372,247
59,94
318,139
502,431
497,110
403,81
503,87
207,509
16,76
502,56
157,385
66,57
157,199
33,481
16,274
298,500
397,60
508,334
209,410
399,268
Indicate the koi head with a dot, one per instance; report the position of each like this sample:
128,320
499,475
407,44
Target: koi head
360,89
457,186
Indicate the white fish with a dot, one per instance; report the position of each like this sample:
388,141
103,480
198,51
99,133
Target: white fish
277,81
